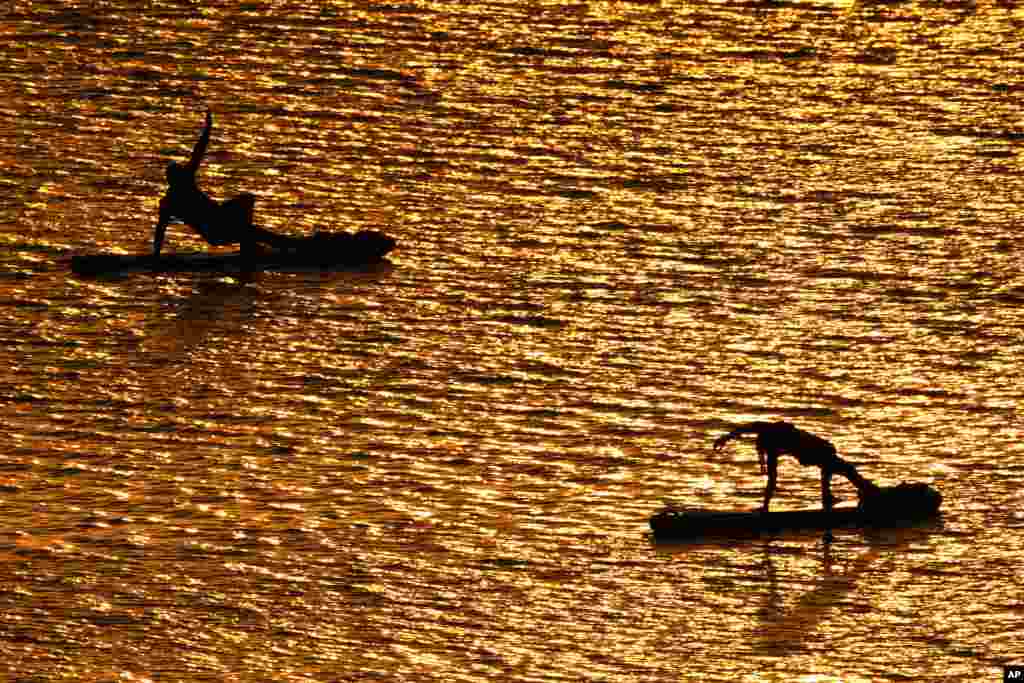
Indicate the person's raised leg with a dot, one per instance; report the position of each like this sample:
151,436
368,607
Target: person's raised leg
241,212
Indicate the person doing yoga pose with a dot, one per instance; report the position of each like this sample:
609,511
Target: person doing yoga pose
782,438
219,223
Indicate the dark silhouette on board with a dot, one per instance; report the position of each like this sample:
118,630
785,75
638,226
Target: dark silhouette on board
219,223
231,222
878,507
782,438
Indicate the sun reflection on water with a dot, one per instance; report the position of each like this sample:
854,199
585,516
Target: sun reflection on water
622,227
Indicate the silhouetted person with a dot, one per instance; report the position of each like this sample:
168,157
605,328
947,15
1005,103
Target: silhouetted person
219,223
782,438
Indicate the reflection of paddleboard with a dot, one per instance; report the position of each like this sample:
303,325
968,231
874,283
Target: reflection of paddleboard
323,250
895,506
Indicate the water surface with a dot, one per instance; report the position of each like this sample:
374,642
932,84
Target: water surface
623,227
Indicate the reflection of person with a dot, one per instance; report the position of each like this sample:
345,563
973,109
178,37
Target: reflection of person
219,223
784,624
782,438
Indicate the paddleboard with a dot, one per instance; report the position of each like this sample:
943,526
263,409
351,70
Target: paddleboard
897,506
322,251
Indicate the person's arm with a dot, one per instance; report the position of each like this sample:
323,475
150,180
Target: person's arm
199,151
748,428
827,499
161,227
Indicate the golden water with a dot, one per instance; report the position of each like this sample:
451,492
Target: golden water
623,226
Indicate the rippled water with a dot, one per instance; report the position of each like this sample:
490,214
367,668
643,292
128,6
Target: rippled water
623,226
